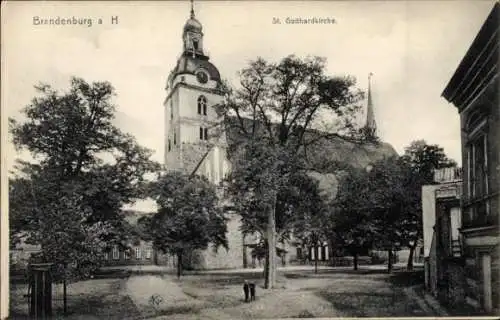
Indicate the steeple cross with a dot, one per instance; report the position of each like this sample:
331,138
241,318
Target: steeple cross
192,9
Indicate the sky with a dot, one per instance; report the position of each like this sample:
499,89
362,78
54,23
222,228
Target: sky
411,47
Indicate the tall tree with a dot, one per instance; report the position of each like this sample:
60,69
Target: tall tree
421,159
189,216
311,213
388,199
354,226
424,158
83,170
272,114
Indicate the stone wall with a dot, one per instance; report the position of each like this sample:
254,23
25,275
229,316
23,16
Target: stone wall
191,154
222,259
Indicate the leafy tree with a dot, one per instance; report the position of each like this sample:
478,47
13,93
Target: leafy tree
83,170
390,194
388,200
189,216
355,228
421,159
311,213
370,208
272,115
424,158
73,134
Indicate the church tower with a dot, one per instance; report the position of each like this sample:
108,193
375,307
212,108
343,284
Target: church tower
370,127
193,143
193,89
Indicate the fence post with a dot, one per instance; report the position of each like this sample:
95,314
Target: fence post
41,291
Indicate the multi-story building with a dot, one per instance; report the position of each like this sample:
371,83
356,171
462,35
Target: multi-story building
441,219
137,251
473,90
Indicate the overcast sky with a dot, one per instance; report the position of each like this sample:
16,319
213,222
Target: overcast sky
412,48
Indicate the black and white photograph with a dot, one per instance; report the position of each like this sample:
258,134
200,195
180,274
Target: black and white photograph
199,159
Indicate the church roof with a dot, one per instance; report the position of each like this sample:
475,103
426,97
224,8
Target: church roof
329,157
342,152
327,149
192,25
189,65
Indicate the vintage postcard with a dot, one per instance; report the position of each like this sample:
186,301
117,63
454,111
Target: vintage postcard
250,159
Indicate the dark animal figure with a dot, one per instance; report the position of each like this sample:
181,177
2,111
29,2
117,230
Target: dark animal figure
252,291
246,290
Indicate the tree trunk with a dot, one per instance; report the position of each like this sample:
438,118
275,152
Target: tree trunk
245,260
179,264
65,289
271,247
65,300
355,261
266,269
315,248
389,263
409,265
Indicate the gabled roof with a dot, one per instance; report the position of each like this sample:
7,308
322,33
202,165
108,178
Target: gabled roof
479,66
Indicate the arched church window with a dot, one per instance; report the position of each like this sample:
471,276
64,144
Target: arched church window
195,44
202,105
169,145
175,139
201,133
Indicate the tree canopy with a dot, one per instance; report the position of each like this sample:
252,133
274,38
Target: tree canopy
189,215
381,208
83,170
272,112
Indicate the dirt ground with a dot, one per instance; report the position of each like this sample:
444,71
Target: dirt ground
342,293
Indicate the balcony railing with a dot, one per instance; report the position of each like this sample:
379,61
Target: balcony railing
449,190
445,175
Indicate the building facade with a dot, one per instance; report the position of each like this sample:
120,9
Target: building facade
441,214
473,90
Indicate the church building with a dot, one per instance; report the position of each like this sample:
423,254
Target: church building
193,142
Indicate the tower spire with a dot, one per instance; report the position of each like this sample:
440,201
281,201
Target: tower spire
192,9
371,125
